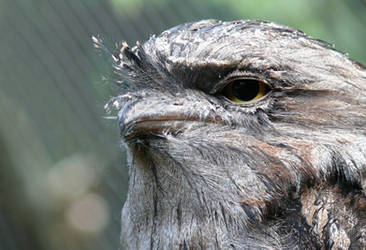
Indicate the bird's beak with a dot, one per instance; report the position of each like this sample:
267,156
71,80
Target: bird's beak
152,117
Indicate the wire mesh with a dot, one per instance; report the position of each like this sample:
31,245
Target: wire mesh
63,176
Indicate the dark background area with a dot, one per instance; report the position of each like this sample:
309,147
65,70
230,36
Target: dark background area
63,177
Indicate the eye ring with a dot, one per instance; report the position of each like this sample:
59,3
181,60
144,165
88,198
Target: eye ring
245,90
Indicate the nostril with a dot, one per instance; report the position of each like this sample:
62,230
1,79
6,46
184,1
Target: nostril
178,104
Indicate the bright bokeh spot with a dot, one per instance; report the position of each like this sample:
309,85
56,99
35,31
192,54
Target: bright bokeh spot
71,177
89,213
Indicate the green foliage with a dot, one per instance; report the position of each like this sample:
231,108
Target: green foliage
52,97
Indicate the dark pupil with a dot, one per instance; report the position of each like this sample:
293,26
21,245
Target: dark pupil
245,90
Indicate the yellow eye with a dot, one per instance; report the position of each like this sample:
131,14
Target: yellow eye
245,90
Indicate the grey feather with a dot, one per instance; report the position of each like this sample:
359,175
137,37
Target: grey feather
284,172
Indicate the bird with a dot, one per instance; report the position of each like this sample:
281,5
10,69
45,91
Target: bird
241,135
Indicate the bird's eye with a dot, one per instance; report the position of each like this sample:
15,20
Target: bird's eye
245,90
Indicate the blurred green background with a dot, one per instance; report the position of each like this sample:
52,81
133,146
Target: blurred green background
63,177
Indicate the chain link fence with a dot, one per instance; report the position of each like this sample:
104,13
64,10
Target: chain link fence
63,176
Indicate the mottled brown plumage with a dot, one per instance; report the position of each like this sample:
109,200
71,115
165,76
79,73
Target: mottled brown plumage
284,171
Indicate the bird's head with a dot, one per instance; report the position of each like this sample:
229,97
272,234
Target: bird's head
235,131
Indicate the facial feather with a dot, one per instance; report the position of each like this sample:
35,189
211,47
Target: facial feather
270,174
